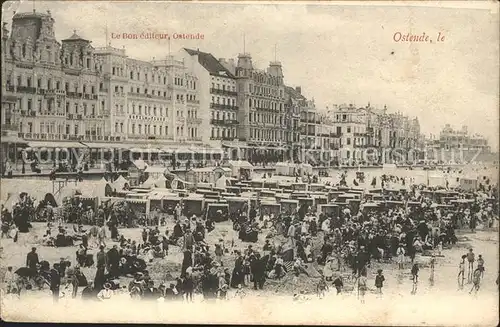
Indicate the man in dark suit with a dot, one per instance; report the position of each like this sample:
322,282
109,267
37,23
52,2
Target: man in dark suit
32,259
55,282
113,261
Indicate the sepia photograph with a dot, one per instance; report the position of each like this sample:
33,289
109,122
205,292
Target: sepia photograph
250,162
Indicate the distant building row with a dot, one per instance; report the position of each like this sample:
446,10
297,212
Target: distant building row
58,93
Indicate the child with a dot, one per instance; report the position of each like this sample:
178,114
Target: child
362,287
338,284
480,265
461,272
379,281
471,259
476,278
440,248
322,287
414,273
400,252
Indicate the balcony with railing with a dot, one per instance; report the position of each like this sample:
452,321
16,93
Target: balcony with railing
192,120
51,113
193,101
73,95
54,92
149,137
224,138
223,106
224,122
26,89
223,92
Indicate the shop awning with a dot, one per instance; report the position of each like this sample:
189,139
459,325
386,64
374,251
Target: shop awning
144,148
12,139
107,146
156,169
54,145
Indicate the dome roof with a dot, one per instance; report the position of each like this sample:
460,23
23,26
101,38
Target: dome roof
74,37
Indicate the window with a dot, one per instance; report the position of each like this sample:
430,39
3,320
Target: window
348,129
348,141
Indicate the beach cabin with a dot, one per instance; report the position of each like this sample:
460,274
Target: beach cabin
240,169
305,169
436,180
218,211
328,209
237,203
136,172
286,169
468,184
288,205
207,174
193,205
299,187
316,187
270,207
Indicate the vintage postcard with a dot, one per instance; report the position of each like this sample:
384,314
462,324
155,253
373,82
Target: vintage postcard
250,162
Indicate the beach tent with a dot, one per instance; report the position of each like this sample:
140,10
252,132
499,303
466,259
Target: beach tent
150,182
223,182
10,187
119,183
161,182
94,189
140,164
156,171
178,183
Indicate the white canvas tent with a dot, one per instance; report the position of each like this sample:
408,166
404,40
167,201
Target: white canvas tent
161,181
150,182
222,182
140,164
119,183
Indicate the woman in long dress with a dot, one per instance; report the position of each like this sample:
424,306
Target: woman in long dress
328,270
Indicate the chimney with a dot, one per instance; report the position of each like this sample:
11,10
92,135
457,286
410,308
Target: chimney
298,89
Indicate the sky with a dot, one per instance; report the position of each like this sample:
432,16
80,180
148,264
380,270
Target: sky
337,53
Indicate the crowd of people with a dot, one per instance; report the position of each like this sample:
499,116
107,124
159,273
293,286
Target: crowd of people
298,242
